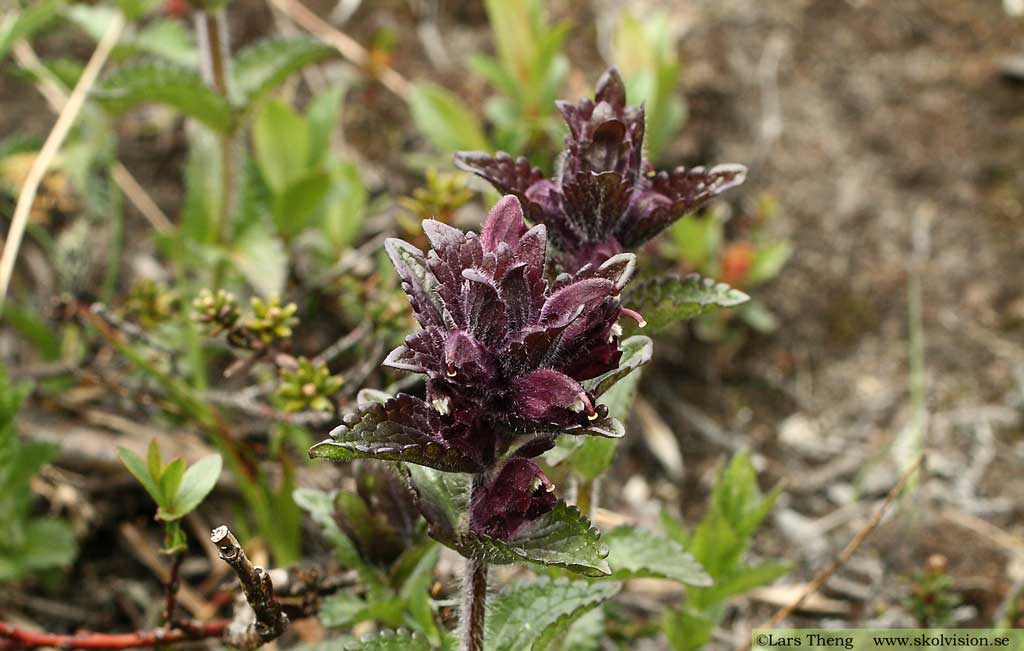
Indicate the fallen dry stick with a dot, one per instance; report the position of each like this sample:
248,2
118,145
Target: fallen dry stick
845,555
16,638
344,44
267,620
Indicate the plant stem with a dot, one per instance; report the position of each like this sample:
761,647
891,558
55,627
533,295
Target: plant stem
474,590
213,39
171,588
474,605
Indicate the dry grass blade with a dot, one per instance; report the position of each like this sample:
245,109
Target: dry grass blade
50,148
56,99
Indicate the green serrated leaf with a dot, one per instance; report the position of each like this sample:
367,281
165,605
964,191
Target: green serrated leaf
390,641
196,484
168,39
633,552
445,120
523,613
584,634
163,83
563,537
262,66
665,301
389,432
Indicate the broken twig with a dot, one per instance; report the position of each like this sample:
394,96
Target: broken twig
267,620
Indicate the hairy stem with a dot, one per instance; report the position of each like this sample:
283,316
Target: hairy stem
474,605
474,590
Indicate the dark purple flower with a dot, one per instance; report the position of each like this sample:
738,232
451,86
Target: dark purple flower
512,361
606,197
518,495
505,354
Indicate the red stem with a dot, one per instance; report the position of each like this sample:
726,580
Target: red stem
16,638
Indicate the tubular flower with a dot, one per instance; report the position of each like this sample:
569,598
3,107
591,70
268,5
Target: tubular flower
511,362
606,197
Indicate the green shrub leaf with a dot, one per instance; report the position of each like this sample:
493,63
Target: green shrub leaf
523,613
27,23
443,118
282,140
179,88
196,484
664,301
140,471
634,553
266,64
297,204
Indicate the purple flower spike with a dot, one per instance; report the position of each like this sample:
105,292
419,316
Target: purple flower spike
504,352
606,197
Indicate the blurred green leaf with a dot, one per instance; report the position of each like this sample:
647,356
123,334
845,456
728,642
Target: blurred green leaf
523,613
769,258
169,40
323,115
203,201
346,206
141,472
644,49
264,65
163,83
297,204
445,120
26,23
634,553
282,142
687,629
263,260
697,239
389,641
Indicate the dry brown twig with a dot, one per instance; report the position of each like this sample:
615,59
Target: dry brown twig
848,551
50,149
263,620
344,44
